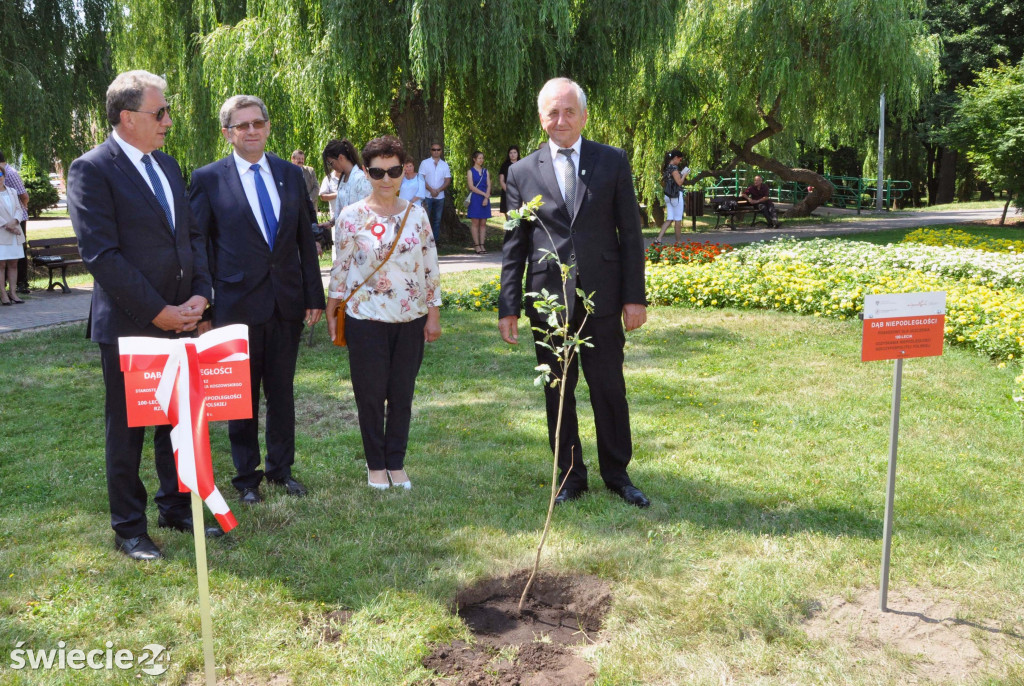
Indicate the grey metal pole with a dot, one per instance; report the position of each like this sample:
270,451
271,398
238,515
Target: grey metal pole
880,186
894,431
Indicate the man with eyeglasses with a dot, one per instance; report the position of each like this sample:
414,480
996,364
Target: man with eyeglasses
140,242
253,209
437,176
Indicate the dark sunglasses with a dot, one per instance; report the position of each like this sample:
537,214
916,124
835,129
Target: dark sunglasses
435,150
160,113
377,173
256,124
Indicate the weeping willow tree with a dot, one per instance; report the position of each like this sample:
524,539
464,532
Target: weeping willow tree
751,80
54,70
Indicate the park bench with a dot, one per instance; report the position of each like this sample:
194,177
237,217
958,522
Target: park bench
55,253
731,206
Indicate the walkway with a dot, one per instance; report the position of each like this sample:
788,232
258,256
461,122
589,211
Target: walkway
46,308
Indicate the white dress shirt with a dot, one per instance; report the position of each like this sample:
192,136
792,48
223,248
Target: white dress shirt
435,174
558,160
248,177
135,156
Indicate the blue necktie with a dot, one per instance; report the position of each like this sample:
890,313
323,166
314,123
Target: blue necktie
158,189
266,207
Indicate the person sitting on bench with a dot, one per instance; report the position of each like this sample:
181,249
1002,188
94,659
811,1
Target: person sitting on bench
757,195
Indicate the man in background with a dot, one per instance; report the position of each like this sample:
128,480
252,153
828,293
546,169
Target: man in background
437,176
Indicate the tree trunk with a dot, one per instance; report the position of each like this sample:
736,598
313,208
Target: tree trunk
822,188
986,191
931,184
1002,220
946,187
419,122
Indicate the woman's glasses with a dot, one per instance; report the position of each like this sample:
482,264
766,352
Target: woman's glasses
377,173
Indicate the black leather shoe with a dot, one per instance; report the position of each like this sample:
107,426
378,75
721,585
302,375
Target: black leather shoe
567,494
23,288
185,526
631,494
138,548
250,496
293,486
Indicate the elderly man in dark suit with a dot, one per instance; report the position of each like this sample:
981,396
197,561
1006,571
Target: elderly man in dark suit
253,208
139,241
591,212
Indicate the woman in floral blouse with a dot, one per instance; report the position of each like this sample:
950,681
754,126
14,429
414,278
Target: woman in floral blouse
391,313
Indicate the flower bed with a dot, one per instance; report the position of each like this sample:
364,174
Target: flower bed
480,299
963,239
683,253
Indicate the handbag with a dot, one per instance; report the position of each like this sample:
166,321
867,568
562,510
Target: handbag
469,198
339,331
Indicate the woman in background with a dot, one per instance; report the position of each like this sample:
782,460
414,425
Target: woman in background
479,210
511,157
673,206
11,239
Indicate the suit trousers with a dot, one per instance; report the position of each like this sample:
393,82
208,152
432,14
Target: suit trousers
273,351
384,359
602,368
125,490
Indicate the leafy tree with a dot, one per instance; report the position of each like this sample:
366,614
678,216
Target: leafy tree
988,126
750,81
54,68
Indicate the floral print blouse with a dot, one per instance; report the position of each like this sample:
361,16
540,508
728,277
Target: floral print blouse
406,285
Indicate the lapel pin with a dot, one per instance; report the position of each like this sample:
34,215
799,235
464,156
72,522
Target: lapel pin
583,172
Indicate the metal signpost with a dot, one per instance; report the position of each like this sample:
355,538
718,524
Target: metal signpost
898,326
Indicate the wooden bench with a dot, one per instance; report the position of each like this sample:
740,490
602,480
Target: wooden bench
730,207
55,253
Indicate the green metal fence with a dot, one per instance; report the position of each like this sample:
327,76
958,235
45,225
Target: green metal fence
851,192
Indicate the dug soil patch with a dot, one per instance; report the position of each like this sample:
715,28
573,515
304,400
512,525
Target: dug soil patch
944,646
534,649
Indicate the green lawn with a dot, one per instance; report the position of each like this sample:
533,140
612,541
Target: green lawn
760,437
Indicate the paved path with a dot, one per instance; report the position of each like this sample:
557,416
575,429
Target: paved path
47,308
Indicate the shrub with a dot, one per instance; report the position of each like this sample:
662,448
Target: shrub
41,193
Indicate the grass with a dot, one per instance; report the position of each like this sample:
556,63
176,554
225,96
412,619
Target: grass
759,436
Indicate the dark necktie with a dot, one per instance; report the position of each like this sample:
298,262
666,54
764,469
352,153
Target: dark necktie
158,189
569,177
266,207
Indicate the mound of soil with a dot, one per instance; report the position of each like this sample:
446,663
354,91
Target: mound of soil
919,625
532,649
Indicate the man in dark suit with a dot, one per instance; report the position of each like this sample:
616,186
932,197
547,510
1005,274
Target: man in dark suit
254,211
591,212
139,241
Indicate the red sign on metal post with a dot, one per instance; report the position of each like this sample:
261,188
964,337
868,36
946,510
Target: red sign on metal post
903,325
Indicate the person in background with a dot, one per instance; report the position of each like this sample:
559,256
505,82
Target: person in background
388,273
511,157
312,187
413,188
11,239
479,209
353,184
252,209
437,176
672,182
329,186
14,182
757,194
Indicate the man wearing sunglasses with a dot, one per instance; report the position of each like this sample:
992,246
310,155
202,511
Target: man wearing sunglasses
253,209
139,241
437,176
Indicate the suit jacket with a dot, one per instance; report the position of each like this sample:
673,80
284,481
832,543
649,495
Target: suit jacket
250,280
603,243
139,264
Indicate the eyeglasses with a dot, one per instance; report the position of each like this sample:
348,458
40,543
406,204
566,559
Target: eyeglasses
160,113
256,124
435,150
377,173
